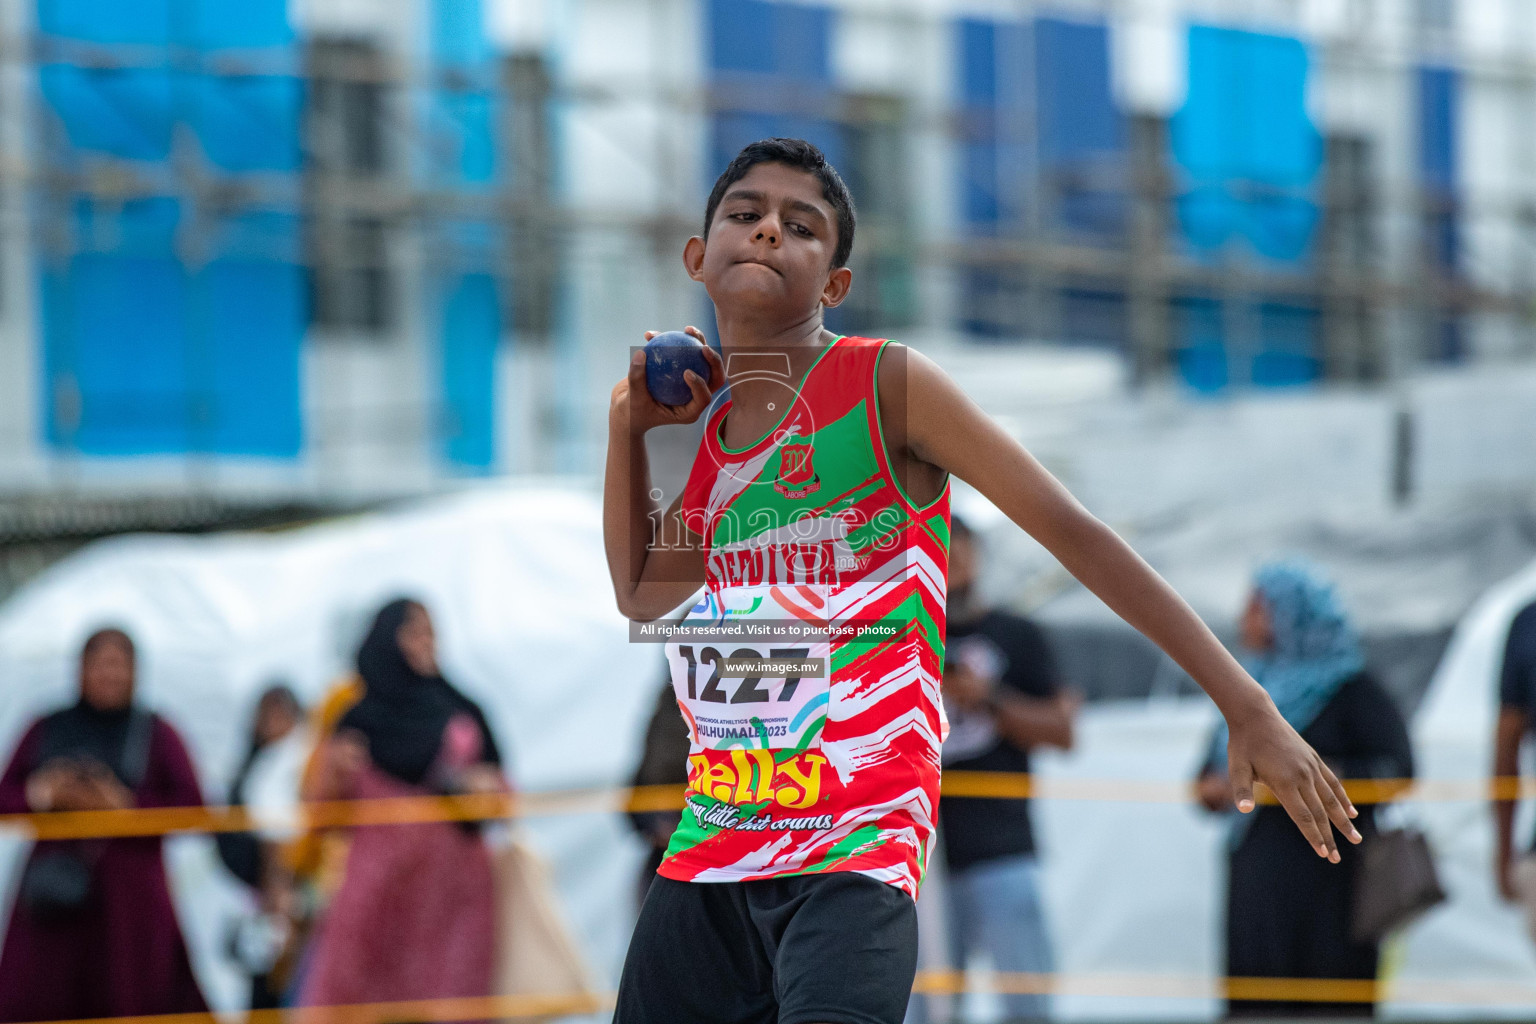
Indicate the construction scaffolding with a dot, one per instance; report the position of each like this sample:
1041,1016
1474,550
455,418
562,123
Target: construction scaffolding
299,210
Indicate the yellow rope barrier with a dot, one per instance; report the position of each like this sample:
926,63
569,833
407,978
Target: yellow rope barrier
1469,993
1429,992
993,785
154,821
415,1011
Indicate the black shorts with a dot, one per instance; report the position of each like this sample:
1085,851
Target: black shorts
834,948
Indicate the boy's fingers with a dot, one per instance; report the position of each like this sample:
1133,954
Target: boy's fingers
1242,785
700,392
690,329
649,335
1335,808
1319,809
716,368
1307,811
1341,794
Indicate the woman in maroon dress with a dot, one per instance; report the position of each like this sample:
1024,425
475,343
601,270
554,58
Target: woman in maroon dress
94,932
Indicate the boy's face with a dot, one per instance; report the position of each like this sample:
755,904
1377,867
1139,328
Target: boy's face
770,246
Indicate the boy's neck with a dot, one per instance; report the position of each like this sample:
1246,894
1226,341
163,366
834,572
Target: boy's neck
747,332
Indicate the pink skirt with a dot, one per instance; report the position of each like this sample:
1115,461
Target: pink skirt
415,917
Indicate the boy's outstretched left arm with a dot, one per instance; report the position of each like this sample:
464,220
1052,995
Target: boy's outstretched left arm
943,427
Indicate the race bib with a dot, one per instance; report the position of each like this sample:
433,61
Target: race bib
752,668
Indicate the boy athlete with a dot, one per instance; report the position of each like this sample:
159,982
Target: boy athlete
820,495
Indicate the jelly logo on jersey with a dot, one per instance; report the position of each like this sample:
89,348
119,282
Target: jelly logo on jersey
797,477
753,776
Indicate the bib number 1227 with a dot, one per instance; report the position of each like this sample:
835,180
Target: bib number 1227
749,690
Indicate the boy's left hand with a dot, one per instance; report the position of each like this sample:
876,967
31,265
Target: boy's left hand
1264,747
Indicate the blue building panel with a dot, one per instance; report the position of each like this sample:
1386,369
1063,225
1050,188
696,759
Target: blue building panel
249,122
1202,354
117,355
769,37
802,38
1081,134
741,36
142,354
1036,100
461,125
251,342
1079,119
237,24
459,116
976,46
144,358
127,113
996,92
1289,353
1248,159
456,33
471,333
460,104
130,22
980,202
785,50
1438,95
1247,148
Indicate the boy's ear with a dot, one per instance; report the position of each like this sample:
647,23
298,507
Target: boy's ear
693,258
838,283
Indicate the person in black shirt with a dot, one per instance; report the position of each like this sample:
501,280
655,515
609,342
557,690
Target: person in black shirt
1003,698
663,762
1288,911
1517,716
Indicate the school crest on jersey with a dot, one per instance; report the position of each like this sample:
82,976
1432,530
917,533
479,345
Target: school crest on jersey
797,476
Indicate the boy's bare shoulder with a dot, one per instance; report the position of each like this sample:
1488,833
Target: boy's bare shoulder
908,378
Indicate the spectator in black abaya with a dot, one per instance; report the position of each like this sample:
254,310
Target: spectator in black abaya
1288,910
93,932
254,941
415,914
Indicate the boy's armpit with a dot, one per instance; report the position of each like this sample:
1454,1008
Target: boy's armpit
920,477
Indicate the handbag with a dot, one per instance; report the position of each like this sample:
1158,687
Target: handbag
58,883
1395,883
536,951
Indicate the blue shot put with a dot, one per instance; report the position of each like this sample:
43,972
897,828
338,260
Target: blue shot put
666,357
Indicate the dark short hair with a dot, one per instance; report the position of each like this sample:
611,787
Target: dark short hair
802,156
110,635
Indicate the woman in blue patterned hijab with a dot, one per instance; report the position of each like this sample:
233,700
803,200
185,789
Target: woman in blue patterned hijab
1311,648
1288,917
1299,644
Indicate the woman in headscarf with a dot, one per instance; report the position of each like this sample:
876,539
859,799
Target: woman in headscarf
93,932
415,914
1288,911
